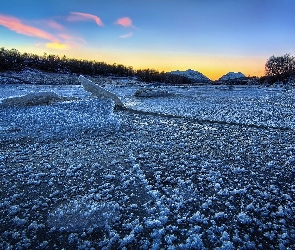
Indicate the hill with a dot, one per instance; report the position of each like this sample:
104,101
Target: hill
192,74
231,76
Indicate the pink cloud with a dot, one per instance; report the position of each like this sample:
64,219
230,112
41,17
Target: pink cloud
55,25
125,22
65,37
127,35
78,16
71,39
16,25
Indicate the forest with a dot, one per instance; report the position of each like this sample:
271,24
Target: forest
13,60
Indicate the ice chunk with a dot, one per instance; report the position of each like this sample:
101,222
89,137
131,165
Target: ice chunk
14,210
18,221
97,91
244,218
226,245
32,99
153,223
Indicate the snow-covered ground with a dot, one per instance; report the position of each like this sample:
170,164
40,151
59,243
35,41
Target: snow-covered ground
80,175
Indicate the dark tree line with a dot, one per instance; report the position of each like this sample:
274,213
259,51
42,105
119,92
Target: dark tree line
277,68
13,60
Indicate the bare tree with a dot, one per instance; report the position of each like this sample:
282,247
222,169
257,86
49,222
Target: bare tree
279,65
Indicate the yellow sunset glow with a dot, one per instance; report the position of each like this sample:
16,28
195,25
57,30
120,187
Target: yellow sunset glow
56,46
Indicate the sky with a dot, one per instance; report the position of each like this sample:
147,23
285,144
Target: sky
213,37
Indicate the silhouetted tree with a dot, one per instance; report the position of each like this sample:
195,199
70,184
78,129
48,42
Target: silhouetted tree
280,66
10,60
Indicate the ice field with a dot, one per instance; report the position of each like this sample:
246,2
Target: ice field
83,175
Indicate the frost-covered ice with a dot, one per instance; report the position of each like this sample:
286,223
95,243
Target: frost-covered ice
58,121
272,107
78,175
82,214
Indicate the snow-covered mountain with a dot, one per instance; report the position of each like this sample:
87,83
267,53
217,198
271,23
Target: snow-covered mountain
231,76
192,74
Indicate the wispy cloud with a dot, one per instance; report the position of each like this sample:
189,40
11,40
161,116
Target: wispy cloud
58,41
55,25
16,25
127,35
125,22
78,16
56,35
67,37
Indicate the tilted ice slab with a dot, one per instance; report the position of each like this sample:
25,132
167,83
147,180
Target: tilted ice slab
98,91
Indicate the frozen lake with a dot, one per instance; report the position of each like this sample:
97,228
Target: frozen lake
266,106
220,175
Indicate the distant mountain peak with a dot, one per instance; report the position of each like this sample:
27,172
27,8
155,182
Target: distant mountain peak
231,76
192,74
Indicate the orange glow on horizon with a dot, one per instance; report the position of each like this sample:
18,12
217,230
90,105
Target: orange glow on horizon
211,67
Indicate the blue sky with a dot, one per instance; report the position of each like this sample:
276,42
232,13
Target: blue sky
210,36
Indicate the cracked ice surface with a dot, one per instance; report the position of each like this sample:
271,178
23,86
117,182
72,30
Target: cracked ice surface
273,107
150,182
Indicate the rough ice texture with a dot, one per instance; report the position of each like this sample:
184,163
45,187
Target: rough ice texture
150,92
83,213
97,91
58,121
32,99
179,184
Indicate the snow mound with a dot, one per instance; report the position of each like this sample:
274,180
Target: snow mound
231,76
97,91
192,74
150,92
32,99
84,214
58,121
